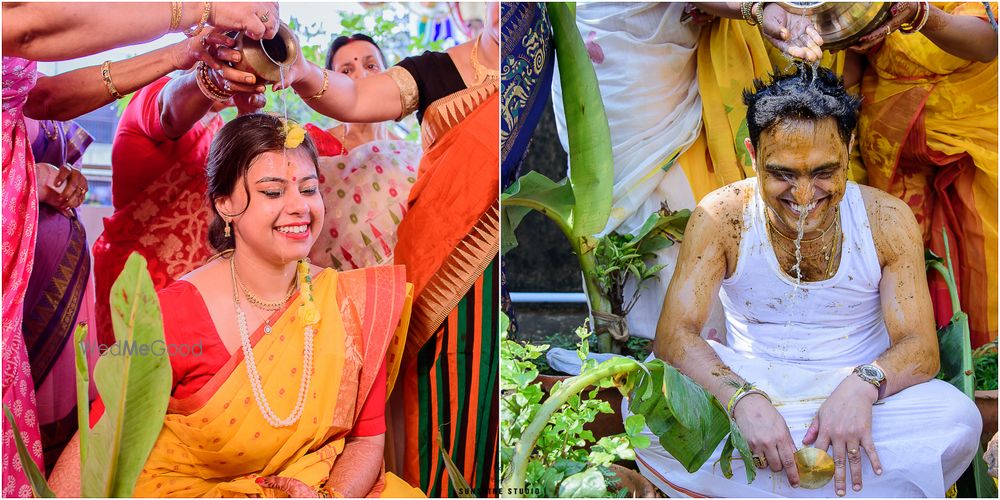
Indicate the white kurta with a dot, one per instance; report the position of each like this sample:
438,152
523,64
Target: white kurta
797,343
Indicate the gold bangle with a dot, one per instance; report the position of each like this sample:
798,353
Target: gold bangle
175,16
326,83
191,32
207,86
106,76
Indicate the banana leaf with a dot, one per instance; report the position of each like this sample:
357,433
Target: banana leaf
35,477
534,191
591,166
134,385
82,389
458,482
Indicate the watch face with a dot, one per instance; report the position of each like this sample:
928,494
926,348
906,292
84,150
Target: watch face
872,373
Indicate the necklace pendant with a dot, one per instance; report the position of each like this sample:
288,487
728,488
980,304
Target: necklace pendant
267,329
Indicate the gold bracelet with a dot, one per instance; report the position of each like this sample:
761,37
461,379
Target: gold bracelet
175,16
106,76
326,83
207,86
190,32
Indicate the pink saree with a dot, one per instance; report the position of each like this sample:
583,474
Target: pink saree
20,213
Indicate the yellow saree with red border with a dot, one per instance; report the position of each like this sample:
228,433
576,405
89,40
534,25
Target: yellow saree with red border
216,442
928,135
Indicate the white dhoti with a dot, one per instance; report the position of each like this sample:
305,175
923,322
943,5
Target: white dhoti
925,436
797,343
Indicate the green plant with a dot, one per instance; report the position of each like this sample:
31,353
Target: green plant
545,450
135,390
984,358
620,258
955,347
580,204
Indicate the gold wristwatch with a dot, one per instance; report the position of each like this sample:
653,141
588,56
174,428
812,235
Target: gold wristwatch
873,375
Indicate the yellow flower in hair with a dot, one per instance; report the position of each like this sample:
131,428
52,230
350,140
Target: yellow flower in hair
294,135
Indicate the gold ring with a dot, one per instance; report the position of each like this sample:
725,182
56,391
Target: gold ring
852,451
759,461
888,31
264,18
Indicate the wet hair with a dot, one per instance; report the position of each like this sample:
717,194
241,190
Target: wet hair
341,41
808,93
233,149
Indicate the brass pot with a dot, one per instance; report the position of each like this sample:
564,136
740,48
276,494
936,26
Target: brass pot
266,58
841,24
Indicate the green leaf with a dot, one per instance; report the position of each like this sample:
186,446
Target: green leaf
134,386
736,440
458,481
82,389
726,459
35,477
686,399
634,424
587,484
534,191
591,170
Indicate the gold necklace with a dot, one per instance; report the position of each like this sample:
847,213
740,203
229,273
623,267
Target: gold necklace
257,301
481,72
838,237
771,226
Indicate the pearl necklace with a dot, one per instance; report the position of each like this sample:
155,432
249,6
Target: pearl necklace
254,376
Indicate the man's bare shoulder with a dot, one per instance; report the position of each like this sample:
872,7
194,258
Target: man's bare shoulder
729,199
894,228
718,218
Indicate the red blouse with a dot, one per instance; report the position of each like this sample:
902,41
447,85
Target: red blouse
186,321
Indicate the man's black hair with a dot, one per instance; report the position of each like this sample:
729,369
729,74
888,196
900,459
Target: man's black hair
807,93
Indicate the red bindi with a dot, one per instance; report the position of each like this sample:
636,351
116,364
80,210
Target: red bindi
294,179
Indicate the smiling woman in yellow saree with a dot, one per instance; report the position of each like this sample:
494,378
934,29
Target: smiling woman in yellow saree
280,369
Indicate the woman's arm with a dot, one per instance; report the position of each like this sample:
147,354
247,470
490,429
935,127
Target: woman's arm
358,467
968,37
965,36
69,95
57,31
369,100
65,478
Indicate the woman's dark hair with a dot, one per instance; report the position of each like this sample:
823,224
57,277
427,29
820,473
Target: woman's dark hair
340,41
233,149
807,93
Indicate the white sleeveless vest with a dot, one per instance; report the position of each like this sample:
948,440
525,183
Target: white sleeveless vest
820,325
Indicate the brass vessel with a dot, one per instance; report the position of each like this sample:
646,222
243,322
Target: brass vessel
841,24
266,58
815,467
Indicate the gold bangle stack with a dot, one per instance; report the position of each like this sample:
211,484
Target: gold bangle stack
207,86
918,21
746,10
326,84
196,29
106,76
175,16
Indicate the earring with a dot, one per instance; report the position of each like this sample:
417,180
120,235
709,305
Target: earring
228,233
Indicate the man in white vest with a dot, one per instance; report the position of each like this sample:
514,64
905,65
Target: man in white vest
831,336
